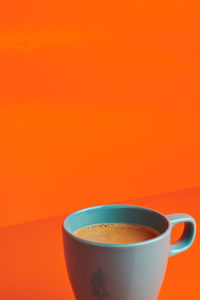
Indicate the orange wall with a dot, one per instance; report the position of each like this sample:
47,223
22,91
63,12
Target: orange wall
97,103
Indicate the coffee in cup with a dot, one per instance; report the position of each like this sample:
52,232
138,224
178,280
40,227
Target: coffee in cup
116,233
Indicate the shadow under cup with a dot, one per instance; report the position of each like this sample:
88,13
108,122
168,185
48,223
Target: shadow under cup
116,214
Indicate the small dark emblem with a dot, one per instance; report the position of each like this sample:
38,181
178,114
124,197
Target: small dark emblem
99,281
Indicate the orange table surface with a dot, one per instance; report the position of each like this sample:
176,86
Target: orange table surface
32,262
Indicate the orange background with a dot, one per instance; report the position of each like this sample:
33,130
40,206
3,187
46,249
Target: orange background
99,102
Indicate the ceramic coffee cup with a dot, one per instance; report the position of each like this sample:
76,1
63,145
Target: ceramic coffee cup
135,271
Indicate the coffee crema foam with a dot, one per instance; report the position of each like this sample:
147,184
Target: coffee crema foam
116,233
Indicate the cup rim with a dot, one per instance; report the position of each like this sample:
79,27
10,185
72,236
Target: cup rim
109,245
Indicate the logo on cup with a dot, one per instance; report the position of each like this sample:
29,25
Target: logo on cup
99,282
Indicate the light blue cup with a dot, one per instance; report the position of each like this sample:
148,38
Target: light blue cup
99,271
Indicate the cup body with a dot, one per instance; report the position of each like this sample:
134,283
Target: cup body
116,271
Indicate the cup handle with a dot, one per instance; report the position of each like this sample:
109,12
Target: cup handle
187,236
